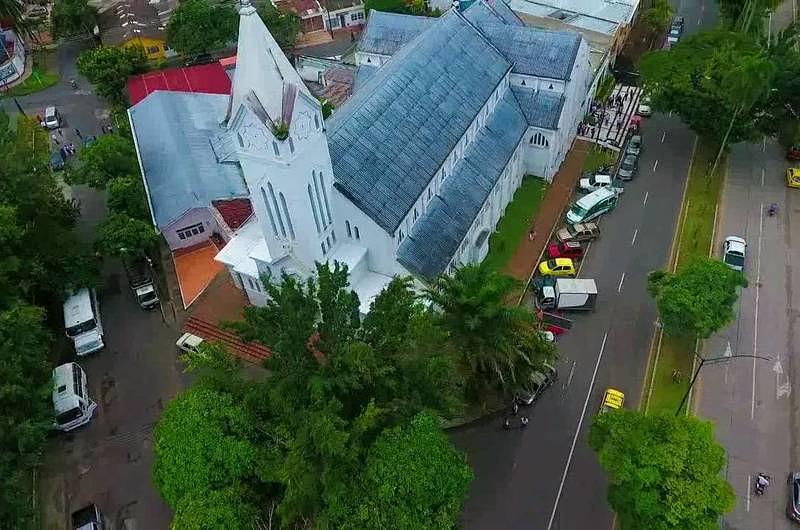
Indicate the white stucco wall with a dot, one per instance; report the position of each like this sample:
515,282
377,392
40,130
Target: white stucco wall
190,218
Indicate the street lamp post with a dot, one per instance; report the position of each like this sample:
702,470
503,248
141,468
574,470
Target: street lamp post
724,358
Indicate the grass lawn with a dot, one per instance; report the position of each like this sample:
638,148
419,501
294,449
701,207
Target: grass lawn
515,223
44,75
598,157
695,233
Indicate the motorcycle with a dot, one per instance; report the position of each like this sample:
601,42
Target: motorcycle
761,483
772,209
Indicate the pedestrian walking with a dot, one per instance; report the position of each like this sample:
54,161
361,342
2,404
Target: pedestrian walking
506,424
532,235
78,133
54,137
514,408
60,132
523,422
619,126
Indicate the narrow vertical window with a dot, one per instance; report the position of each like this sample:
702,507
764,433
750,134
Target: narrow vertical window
313,208
269,212
316,121
358,236
325,197
333,235
277,211
286,213
291,145
322,246
400,236
319,200
275,148
328,241
347,227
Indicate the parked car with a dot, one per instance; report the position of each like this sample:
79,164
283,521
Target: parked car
557,267
56,161
188,343
793,507
540,381
677,22
634,146
628,167
594,182
644,110
793,177
578,232
613,399
52,118
733,252
793,153
567,249
674,35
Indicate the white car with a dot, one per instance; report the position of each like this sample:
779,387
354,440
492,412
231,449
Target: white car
52,118
595,182
674,36
733,252
644,110
188,342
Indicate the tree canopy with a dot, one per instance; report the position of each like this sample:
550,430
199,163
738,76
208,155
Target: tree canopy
698,299
109,67
665,472
110,156
658,16
73,17
200,26
126,195
282,24
119,235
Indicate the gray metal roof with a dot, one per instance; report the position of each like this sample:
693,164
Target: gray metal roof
393,135
363,73
173,134
536,52
481,12
433,241
386,33
541,108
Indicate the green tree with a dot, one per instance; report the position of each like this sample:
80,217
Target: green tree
110,156
698,299
282,24
746,16
716,81
665,472
126,195
12,10
227,508
413,478
119,234
108,69
657,17
200,26
73,17
498,342
388,6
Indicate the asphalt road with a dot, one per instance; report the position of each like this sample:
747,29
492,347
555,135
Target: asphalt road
547,476
108,461
751,400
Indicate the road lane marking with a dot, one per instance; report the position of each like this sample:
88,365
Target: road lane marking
655,166
635,233
755,315
764,145
747,504
645,198
577,432
583,259
571,373
663,135
762,177
619,287
669,114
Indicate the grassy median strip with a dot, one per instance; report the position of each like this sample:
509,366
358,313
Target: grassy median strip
672,368
516,221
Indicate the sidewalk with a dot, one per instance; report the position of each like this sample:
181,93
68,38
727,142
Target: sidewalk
526,257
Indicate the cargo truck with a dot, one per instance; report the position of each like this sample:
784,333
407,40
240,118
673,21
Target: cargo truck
140,281
568,294
87,518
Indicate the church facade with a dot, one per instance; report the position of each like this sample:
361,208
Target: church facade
409,176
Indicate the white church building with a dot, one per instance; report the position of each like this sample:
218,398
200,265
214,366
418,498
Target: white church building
409,176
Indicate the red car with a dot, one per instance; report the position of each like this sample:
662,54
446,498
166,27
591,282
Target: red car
566,249
793,153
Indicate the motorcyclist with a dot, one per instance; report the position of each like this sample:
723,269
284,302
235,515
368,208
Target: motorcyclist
762,481
506,424
523,422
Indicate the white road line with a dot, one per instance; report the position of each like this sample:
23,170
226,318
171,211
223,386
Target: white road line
635,233
669,114
655,166
663,136
571,373
764,145
747,503
583,259
762,177
577,432
619,287
755,313
645,198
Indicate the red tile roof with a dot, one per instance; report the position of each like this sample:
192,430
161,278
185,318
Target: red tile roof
205,78
234,211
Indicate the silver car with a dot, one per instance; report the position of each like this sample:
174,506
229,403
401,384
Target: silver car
627,169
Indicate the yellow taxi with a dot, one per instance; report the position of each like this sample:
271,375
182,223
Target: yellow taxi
613,399
557,267
793,177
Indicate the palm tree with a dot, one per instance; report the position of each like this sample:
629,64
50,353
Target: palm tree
498,342
657,17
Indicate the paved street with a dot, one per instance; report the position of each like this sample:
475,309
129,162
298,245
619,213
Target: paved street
751,401
108,461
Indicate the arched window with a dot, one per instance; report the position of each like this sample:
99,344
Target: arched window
347,227
291,145
523,82
415,213
551,86
319,200
275,148
539,140
314,208
400,236
269,212
358,235
325,197
277,211
316,121
333,235
288,217
369,60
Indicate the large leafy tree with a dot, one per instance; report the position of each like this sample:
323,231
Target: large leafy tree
119,235
498,342
199,26
109,67
126,195
110,156
282,24
657,17
73,17
665,472
698,299
716,81
413,478
746,16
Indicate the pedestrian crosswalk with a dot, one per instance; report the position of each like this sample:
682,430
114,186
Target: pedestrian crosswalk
608,122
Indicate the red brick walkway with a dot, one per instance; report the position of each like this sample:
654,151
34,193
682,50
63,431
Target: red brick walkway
550,213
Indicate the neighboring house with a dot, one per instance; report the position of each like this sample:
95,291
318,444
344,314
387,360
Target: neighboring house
12,55
409,176
138,23
325,15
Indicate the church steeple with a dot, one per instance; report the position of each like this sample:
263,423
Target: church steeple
263,71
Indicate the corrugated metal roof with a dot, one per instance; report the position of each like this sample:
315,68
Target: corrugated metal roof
173,132
437,235
540,107
363,73
536,52
391,137
482,12
386,33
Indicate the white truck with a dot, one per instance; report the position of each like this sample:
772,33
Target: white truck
568,294
87,518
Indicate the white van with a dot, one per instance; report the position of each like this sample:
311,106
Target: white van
82,321
593,205
52,118
71,402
